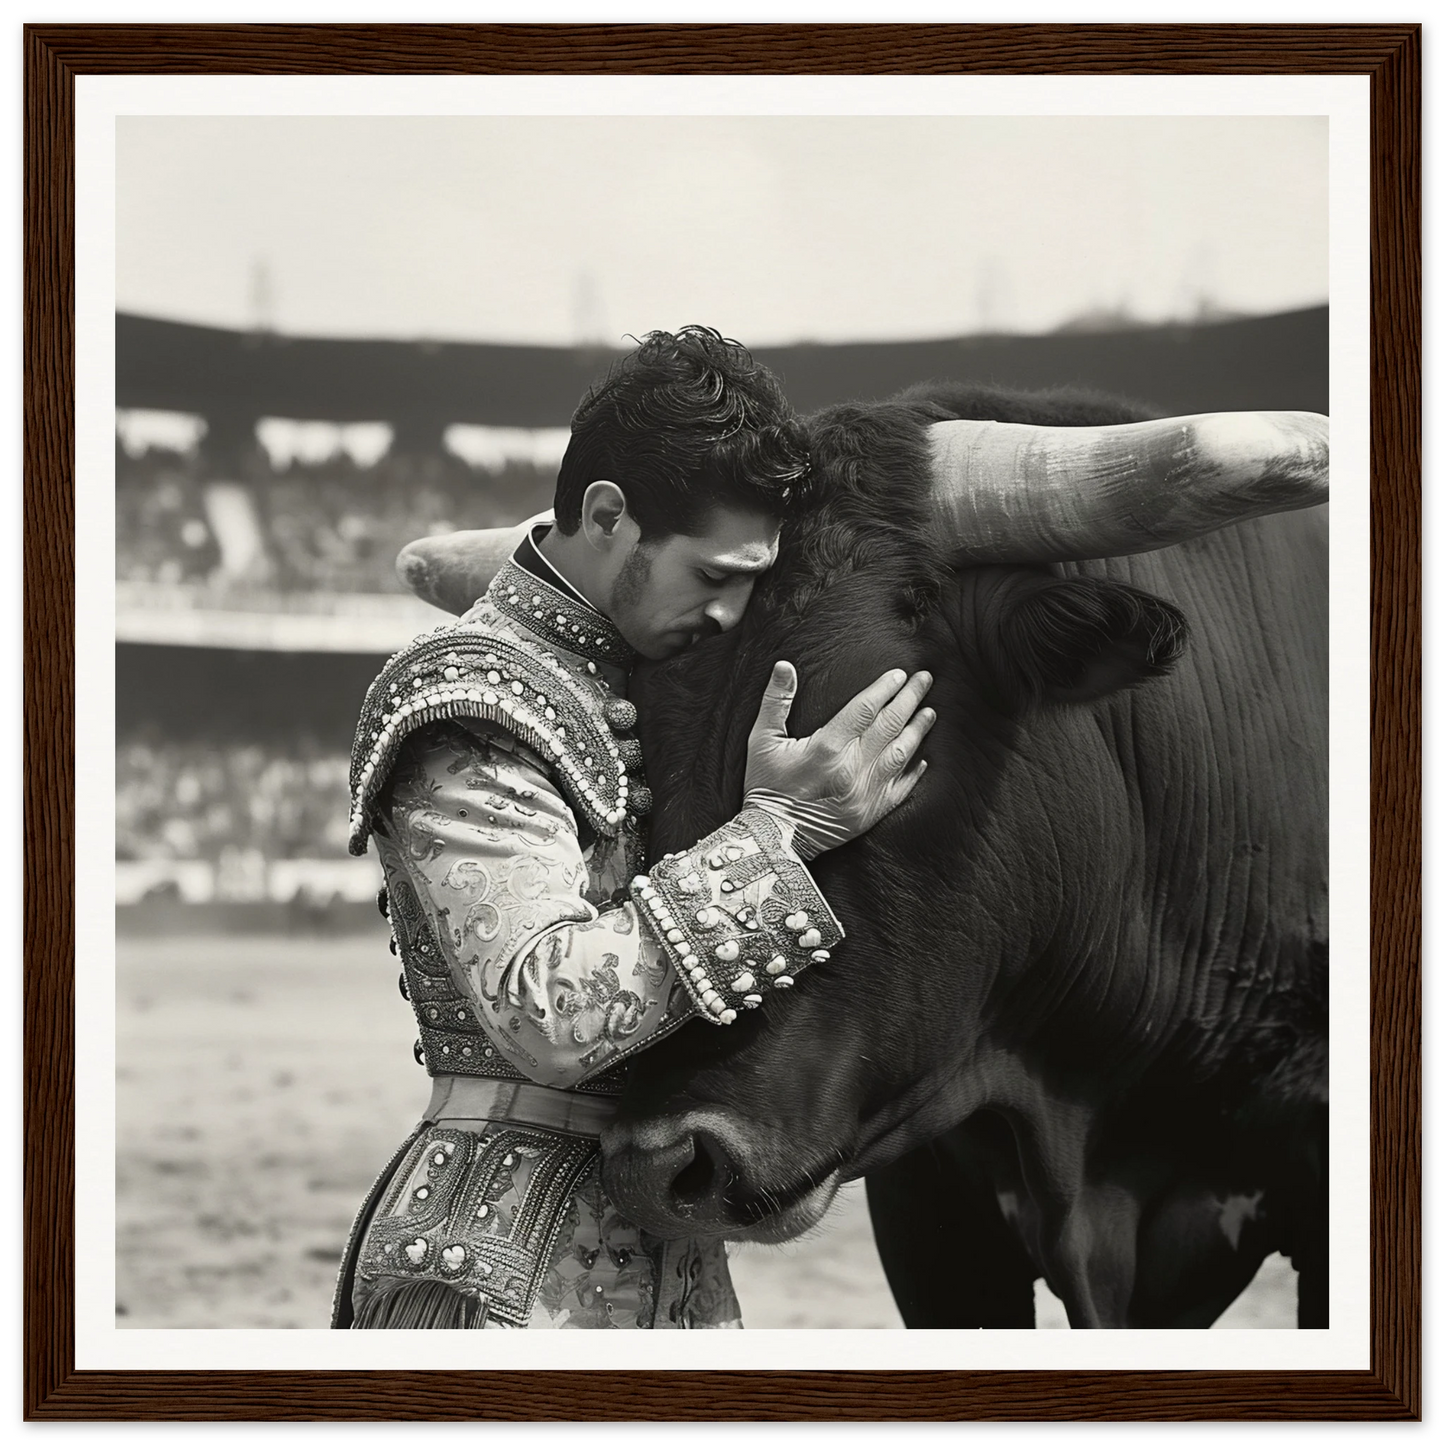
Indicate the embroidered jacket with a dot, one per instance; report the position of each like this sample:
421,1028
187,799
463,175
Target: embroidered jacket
496,765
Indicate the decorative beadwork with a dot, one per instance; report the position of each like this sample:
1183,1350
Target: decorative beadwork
738,914
558,618
527,692
620,714
445,1228
488,665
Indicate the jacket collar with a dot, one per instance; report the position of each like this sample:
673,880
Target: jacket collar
530,591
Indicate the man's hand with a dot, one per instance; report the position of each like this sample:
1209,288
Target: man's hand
839,782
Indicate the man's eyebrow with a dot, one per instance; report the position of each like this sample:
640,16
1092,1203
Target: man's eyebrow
752,561
740,568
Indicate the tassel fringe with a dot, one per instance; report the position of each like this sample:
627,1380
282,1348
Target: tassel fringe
423,1304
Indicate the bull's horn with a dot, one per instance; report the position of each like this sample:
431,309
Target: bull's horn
1009,493
451,571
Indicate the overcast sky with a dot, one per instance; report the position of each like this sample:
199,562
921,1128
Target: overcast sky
558,230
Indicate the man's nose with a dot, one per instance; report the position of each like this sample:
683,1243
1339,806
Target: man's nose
726,612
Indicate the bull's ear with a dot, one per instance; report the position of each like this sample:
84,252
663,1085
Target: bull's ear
1079,639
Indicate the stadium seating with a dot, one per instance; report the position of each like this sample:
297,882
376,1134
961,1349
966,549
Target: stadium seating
191,800
207,818
161,532
331,526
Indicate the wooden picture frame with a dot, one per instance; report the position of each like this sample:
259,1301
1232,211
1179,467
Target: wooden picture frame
54,1389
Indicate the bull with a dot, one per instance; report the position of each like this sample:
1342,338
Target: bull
1078,1026
1078,1029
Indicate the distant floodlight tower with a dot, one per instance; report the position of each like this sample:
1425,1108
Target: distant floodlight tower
231,454
261,296
589,315
993,297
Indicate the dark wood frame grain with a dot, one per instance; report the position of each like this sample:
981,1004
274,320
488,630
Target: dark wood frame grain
55,1389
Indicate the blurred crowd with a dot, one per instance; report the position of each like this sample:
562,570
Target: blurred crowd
183,800
308,509
328,526
161,531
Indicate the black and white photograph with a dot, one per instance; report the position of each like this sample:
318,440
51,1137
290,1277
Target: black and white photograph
724,722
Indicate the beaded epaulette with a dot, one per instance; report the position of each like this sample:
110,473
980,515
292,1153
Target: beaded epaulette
466,670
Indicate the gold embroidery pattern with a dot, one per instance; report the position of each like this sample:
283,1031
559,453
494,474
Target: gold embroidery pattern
452,1040
480,1212
738,915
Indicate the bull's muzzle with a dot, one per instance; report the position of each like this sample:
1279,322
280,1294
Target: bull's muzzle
700,1173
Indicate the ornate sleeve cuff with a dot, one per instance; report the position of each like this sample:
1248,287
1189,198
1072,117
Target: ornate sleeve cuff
737,914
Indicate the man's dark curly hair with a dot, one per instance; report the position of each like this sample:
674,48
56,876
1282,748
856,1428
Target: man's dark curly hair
686,423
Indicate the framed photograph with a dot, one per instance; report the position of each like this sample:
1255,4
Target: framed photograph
299,298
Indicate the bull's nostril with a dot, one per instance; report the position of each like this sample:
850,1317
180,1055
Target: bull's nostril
695,1180
673,1176
704,1179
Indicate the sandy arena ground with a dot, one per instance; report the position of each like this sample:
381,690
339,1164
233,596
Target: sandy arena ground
261,1083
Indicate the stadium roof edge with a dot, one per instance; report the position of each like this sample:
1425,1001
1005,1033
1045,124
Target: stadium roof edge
1217,365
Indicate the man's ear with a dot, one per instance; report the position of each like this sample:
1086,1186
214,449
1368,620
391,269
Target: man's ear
603,508
1075,640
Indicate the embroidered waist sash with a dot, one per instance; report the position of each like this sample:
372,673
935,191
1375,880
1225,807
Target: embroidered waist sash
464,1099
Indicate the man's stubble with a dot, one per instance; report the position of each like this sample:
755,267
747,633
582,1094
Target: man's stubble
632,580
